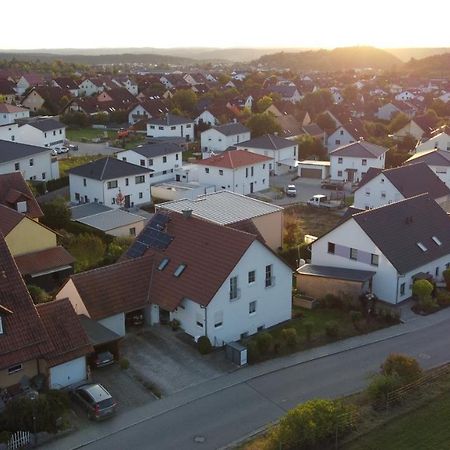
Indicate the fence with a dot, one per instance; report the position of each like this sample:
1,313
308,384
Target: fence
19,439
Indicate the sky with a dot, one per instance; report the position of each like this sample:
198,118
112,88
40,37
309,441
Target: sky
247,23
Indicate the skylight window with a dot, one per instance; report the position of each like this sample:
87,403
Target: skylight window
421,246
163,264
179,270
436,240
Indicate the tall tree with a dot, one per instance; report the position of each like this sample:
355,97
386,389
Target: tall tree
263,123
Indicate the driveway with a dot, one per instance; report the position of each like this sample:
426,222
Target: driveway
163,358
94,149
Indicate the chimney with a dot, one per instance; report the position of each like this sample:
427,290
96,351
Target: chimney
187,213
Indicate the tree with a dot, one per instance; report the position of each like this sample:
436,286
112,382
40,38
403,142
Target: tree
185,100
38,294
350,93
422,289
326,122
405,367
398,122
88,250
263,103
263,123
317,102
116,248
309,146
56,213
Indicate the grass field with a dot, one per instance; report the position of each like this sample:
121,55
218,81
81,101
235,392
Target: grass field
74,161
78,134
426,428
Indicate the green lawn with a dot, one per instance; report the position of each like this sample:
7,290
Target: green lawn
74,161
426,428
80,134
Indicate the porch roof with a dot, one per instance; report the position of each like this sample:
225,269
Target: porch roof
336,272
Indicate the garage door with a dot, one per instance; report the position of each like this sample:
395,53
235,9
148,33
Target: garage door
311,173
68,373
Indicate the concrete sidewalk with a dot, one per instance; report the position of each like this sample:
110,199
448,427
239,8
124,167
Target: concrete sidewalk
126,420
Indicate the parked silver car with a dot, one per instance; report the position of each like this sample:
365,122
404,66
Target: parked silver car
96,400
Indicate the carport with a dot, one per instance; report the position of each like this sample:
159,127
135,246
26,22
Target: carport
319,170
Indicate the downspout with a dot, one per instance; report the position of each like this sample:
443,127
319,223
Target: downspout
396,292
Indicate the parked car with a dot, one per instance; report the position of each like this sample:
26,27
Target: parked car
61,150
96,400
102,359
73,147
291,191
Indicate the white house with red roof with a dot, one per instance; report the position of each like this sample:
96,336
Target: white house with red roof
238,171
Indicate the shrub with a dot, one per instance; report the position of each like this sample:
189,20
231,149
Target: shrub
5,436
428,304
289,336
253,354
422,289
379,389
356,317
332,301
405,367
308,330
56,213
204,345
264,342
38,294
310,425
443,298
124,364
332,329
446,275
175,324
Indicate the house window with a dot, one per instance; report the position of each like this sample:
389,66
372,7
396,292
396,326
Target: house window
339,173
382,180
188,125
77,196
139,179
84,182
179,270
233,288
164,159
54,133
206,169
220,172
341,132
402,289
152,127
199,320
338,142
374,259
43,175
436,272
127,182
124,159
269,278
160,128
17,166
150,162
364,162
31,162
142,162
331,247
251,276
176,156
141,195
132,231
252,307
246,172
218,319
163,263
15,369
164,172
340,159
368,192
383,194
113,201
252,171
112,184
173,128
60,131
264,166
353,253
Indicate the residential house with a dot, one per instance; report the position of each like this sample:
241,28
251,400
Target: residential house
118,96
206,117
220,137
7,91
163,159
28,81
215,280
41,131
126,82
90,86
236,170
381,251
314,169
33,162
283,152
288,93
350,162
381,187
9,131
111,182
417,128
440,141
389,110
336,95
347,132
437,160
171,126
9,113
235,210
67,84
50,98
405,96
40,260
445,97
174,81
147,109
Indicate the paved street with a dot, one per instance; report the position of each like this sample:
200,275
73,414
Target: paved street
227,408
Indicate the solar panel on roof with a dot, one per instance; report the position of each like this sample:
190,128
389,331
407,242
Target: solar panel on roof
137,249
158,221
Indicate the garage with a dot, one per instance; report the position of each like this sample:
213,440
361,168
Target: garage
67,373
311,173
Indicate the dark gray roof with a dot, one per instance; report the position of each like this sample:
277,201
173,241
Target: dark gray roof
12,151
431,157
268,141
152,150
108,169
229,129
170,119
335,272
88,209
396,229
284,91
96,332
360,149
44,124
412,180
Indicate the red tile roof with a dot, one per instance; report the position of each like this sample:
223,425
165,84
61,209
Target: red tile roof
9,218
13,189
64,329
110,290
44,260
24,337
7,108
233,159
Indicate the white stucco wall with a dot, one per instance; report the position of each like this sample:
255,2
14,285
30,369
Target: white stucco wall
114,323
36,167
185,130
213,141
338,172
377,192
339,138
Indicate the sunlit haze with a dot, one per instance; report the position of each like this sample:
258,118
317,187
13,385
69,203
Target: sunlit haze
178,23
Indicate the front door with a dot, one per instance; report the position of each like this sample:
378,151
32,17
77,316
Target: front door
127,201
177,178
251,188
350,176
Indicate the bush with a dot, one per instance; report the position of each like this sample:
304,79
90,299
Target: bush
332,329
443,298
38,294
446,275
379,389
289,336
428,304
332,301
310,425
308,330
356,317
5,436
264,342
253,354
405,367
175,324
56,213
124,364
204,345
422,289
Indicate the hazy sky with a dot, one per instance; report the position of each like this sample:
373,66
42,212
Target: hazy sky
218,23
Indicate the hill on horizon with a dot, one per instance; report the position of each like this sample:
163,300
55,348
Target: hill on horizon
433,66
